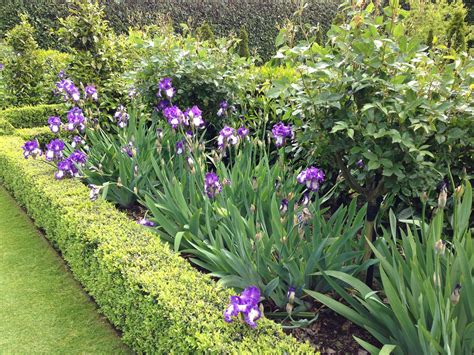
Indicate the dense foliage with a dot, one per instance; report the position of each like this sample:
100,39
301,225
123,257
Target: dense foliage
285,180
422,271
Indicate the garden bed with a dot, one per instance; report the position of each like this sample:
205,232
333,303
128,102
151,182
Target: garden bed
152,295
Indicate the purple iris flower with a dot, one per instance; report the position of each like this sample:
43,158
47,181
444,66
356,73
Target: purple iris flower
223,106
121,116
129,149
162,105
66,168
76,141
290,295
194,114
132,92
91,92
54,150
305,200
247,304
94,192
180,147
159,133
360,164
284,206
165,86
68,89
145,222
174,116
243,132
54,124
76,119
212,185
31,148
226,135
281,132
311,177
2,66
78,157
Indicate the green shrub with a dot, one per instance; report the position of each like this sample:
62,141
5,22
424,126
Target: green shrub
457,31
53,62
159,302
23,71
205,33
31,116
204,74
98,56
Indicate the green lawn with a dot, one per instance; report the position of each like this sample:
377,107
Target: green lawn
42,308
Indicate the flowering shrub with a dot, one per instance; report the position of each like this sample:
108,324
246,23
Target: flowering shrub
204,74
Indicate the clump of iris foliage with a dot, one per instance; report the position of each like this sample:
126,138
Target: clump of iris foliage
243,170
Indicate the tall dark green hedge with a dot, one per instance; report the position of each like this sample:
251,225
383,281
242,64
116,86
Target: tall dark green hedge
260,17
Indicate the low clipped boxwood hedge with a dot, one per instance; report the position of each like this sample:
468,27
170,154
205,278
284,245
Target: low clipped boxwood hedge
42,134
155,297
31,116
5,127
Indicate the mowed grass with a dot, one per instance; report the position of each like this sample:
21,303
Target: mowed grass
42,308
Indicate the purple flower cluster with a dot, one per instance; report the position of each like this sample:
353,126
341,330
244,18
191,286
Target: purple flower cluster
174,116
68,89
68,166
121,116
180,147
91,91
76,119
228,135
165,87
281,133
54,150
312,177
247,304
194,115
212,185
31,148
54,124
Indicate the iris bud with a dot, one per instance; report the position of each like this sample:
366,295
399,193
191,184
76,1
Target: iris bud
424,197
459,191
440,247
455,295
442,198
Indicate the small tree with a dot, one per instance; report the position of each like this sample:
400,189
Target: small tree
205,33
244,43
387,114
